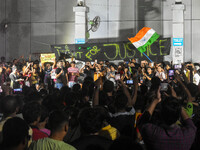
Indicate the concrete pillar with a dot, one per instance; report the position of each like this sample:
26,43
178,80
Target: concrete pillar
81,27
178,32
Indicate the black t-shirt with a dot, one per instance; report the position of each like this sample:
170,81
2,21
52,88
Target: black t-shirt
48,71
59,79
137,65
124,123
65,69
1,79
147,81
88,73
91,142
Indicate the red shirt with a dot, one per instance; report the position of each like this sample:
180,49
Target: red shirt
37,134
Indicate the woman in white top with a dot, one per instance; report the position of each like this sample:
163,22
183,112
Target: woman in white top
160,73
196,77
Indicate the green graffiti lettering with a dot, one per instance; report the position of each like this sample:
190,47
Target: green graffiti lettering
124,53
74,55
94,50
150,51
162,47
58,49
61,51
117,51
58,52
131,50
141,54
66,47
148,47
79,54
88,55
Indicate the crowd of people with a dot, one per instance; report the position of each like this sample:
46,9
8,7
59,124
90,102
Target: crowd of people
100,106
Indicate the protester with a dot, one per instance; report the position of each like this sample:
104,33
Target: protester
160,73
167,135
91,123
73,73
32,113
15,79
15,134
59,75
9,108
58,123
2,76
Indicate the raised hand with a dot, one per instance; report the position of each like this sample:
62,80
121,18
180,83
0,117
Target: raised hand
158,95
177,77
173,91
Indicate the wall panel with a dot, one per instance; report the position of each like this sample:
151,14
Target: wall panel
18,11
42,10
42,36
18,40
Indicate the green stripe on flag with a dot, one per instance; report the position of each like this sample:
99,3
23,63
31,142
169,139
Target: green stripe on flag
154,37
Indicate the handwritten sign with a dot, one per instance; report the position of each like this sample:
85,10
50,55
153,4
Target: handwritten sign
113,51
47,57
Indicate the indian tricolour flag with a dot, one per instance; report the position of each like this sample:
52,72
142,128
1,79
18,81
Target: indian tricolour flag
146,36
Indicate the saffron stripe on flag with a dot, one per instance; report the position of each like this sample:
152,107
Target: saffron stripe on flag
145,38
140,34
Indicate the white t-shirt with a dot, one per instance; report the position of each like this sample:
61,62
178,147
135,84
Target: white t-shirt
196,79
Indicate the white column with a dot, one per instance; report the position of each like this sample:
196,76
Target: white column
178,33
81,27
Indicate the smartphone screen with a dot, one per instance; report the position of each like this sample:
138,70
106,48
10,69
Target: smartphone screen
117,77
164,87
1,90
177,66
40,64
129,82
171,74
16,91
152,64
141,79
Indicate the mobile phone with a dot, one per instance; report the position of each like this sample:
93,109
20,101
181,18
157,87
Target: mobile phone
117,77
129,82
152,64
1,90
171,74
40,64
95,61
164,87
141,79
177,67
17,91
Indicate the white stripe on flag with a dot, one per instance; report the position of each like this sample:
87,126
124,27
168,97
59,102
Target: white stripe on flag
145,39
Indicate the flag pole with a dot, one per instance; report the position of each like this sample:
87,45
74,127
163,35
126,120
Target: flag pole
147,57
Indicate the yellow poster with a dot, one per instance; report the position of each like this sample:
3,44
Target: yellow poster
50,57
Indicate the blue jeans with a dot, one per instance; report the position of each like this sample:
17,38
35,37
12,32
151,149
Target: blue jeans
71,84
58,85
